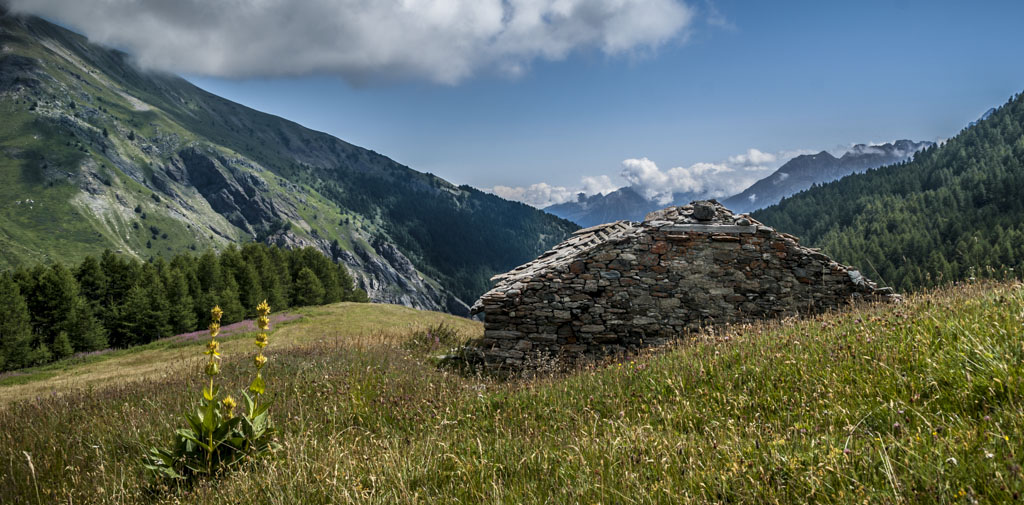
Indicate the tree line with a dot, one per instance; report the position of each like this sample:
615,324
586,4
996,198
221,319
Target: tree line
955,211
52,311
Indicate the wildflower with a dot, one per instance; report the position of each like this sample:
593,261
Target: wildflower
214,329
213,348
263,309
212,369
263,322
228,404
216,313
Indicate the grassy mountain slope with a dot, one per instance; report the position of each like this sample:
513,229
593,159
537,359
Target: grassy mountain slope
919,402
111,156
953,211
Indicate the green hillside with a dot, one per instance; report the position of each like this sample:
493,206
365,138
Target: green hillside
952,212
919,402
97,154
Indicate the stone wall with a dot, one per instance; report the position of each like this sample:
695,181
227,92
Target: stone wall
623,286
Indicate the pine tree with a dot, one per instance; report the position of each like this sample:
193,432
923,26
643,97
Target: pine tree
307,289
52,300
15,326
92,283
229,303
180,302
40,354
156,315
84,329
62,346
121,277
128,318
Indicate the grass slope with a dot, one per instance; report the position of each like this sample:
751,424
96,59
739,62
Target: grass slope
94,137
918,402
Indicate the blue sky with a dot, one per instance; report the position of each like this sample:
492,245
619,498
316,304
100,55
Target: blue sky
779,77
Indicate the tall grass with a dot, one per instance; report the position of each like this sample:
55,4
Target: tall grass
919,402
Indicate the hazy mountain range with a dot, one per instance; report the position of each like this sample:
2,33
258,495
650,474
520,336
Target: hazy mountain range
97,154
794,176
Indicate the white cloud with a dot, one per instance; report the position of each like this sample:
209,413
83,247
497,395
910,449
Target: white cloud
538,195
703,180
600,184
542,194
752,158
644,176
365,41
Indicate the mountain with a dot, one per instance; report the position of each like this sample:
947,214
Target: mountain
983,117
587,211
796,175
954,211
807,170
96,154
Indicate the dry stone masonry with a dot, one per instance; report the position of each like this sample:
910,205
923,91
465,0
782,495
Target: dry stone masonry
622,286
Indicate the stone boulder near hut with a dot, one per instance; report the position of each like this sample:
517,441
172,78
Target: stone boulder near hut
623,286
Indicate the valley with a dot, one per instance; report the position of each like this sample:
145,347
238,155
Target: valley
209,303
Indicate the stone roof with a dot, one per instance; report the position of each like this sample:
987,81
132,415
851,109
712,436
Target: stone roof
580,242
703,216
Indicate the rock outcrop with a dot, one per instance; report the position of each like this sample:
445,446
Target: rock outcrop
622,286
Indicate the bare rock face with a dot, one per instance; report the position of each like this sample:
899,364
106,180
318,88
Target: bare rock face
623,286
387,275
237,196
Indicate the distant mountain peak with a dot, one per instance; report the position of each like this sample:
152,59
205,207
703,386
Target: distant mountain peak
799,173
982,118
804,171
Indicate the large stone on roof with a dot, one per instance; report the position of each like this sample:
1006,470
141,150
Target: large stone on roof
622,286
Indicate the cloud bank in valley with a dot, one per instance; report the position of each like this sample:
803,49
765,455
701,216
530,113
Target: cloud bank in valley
365,41
643,175
542,194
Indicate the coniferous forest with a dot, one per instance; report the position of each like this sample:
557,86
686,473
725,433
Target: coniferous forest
52,311
955,211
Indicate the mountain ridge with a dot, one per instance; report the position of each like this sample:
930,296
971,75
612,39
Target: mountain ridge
806,170
149,164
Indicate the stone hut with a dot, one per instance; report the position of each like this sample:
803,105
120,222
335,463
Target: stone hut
622,286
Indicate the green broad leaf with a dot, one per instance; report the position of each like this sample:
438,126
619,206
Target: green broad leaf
257,386
190,437
208,417
195,422
262,409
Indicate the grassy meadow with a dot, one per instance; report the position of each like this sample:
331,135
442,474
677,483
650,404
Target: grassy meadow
919,402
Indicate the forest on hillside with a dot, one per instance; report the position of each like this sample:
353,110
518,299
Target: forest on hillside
52,312
954,211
